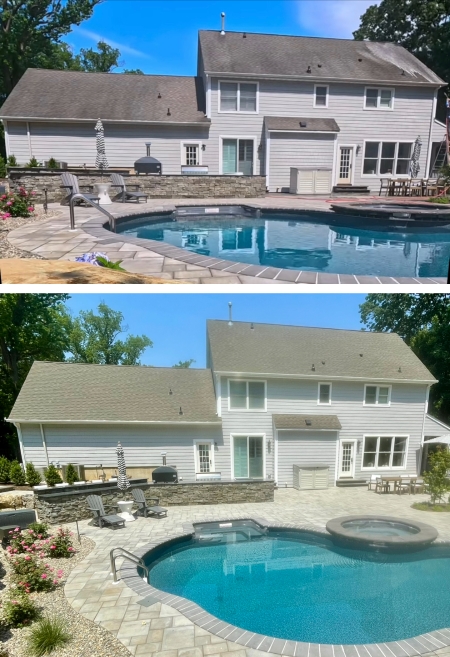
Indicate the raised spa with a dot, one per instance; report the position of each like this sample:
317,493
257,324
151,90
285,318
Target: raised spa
300,586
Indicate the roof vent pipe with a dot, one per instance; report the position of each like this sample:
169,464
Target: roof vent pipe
222,16
230,314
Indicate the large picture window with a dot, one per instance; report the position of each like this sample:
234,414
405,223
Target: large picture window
384,452
238,97
247,396
385,158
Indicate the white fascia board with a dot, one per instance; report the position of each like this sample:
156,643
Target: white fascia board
304,429
308,132
106,422
38,119
309,77
320,377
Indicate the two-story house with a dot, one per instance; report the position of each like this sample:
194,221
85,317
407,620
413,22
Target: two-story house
349,112
272,397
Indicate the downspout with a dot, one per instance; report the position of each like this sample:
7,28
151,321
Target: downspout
29,140
219,395
44,443
267,157
208,96
430,137
19,433
275,456
427,396
5,125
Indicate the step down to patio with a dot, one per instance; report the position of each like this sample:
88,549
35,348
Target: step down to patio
351,483
350,189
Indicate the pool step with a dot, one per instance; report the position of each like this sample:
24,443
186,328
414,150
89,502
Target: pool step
351,189
351,483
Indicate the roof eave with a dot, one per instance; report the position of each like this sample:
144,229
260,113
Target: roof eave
309,77
157,422
325,376
200,122
306,132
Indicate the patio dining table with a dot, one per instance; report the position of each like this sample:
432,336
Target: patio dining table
397,481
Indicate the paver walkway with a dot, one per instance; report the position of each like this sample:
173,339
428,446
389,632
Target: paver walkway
53,240
160,630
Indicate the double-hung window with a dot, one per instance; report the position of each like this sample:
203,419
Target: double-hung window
247,396
385,158
384,452
378,99
320,96
238,97
377,395
324,396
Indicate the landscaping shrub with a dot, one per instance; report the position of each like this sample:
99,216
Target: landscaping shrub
33,163
71,474
440,199
60,544
4,469
436,477
19,609
46,635
11,161
2,167
16,474
52,476
31,574
31,475
40,529
16,204
52,163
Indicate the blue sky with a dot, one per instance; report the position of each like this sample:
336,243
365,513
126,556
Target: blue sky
176,323
161,37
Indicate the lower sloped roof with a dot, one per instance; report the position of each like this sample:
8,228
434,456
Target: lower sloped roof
62,392
308,422
300,124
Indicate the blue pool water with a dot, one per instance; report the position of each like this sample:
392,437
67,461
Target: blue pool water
294,586
316,242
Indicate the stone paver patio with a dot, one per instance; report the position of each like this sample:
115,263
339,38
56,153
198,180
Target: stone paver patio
160,630
53,240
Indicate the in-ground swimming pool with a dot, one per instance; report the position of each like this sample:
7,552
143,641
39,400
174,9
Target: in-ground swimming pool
294,585
307,241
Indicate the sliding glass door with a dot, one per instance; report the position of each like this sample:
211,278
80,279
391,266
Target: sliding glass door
248,457
237,156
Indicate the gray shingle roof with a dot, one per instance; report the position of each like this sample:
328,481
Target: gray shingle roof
312,352
49,94
295,123
329,59
113,393
308,422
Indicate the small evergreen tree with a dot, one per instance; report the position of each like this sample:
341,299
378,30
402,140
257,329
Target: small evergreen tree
2,167
33,163
71,474
31,475
11,161
16,474
5,466
437,478
52,163
52,475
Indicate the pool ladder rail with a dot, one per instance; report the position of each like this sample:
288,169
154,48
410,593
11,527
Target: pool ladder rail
130,557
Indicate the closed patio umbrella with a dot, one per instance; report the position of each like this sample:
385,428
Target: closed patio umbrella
101,161
122,480
414,166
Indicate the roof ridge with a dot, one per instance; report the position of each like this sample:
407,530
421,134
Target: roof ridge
117,73
321,328
299,36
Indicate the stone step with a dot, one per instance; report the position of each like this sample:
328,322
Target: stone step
351,483
350,189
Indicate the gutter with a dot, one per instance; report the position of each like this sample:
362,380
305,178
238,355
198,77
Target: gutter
324,376
205,122
106,422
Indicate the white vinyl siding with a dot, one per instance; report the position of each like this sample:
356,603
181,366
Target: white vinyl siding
297,150
305,448
18,141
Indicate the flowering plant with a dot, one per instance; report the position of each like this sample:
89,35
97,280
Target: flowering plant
22,542
60,544
18,610
99,260
16,204
30,574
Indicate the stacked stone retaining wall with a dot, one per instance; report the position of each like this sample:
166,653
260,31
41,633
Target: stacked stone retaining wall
155,186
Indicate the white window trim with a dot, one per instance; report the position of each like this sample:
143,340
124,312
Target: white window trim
238,137
385,141
248,410
385,435
184,143
247,435
377,386
198,441
378,108
324,383
327,87
238,111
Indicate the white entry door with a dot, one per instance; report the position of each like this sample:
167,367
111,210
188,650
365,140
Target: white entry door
347,459
204,457
345,165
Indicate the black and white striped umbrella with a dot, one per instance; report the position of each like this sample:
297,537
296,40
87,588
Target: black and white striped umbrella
101,161
414,166
122,479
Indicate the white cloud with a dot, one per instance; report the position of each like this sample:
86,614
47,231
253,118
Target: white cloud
123,48
332,18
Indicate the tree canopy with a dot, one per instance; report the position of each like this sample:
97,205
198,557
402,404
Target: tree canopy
423,321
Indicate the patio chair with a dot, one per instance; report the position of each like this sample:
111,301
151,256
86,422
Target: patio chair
404,485
418,485
155,510
374,481
98,510
70,182
118,181
385,186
